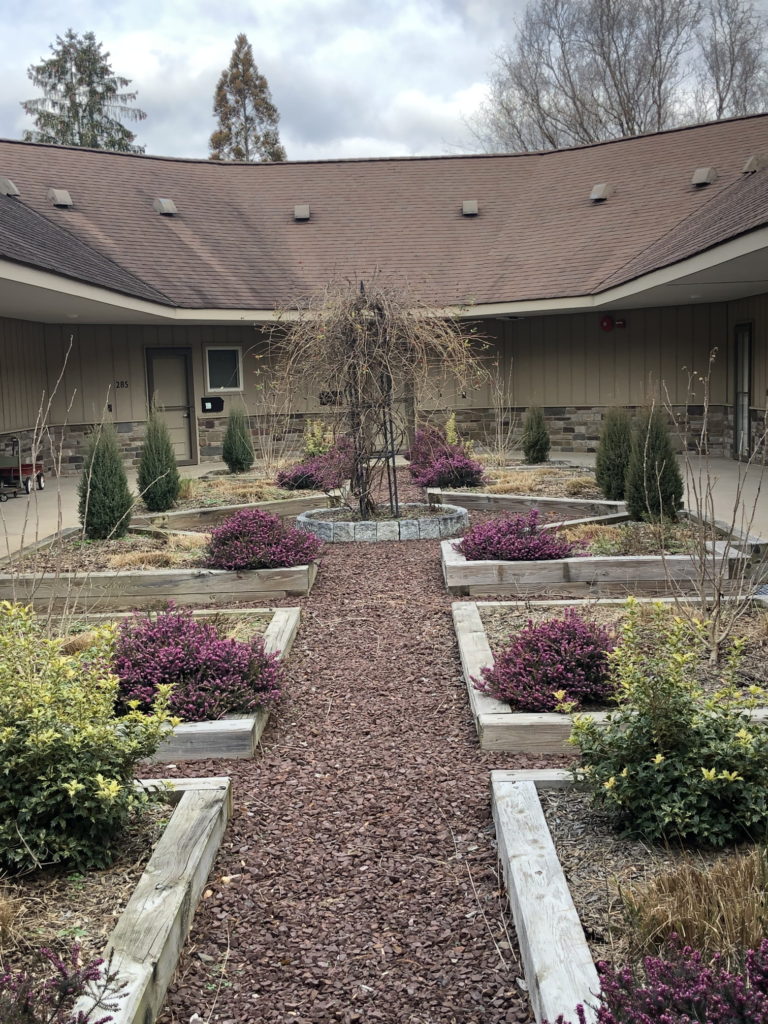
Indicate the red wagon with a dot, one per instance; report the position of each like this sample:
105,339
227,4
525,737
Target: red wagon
16,475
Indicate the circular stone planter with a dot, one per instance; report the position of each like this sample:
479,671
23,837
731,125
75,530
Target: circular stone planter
444,521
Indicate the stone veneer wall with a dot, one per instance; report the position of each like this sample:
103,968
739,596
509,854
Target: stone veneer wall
572,429
211,429
69,443
577,428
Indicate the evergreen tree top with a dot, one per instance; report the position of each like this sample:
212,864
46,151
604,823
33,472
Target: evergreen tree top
247,117
83,100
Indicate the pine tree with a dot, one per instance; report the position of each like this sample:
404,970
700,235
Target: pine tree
654,487
105,501
83,101
247,117
613,453
535,436
238,450
158,477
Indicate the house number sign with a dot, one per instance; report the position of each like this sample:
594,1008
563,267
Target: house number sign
120,384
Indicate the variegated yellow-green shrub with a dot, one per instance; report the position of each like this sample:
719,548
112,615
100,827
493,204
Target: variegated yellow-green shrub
676,764
66,760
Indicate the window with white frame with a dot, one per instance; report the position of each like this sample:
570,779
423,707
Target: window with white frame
223,367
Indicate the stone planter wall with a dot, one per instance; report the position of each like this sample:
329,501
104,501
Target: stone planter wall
428,527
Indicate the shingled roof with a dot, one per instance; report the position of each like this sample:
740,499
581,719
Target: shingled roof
234,243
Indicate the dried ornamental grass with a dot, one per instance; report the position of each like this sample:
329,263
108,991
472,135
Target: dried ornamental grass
722,908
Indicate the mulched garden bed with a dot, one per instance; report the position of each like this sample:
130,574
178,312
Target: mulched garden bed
502,622
358,878
56,908
548,481
135,551
600,866
230,489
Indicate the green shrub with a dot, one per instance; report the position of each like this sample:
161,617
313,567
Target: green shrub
158,477
535,436
105,500
613,453
673,763
318,439
654,484
68,763
238,449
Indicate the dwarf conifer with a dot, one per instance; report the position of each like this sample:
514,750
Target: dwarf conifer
535,436
654,485
158,476
613,453
105,501
238,449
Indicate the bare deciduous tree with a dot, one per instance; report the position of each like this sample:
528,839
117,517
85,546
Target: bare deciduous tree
361,346
582,71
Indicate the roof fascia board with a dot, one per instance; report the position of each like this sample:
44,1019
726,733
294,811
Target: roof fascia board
154,312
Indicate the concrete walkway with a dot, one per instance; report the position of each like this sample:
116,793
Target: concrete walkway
29,518
729,477
24,520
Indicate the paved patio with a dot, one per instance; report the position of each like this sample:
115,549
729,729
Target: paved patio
24,520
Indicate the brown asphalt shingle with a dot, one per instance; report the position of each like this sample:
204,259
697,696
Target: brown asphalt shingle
234,243
27,237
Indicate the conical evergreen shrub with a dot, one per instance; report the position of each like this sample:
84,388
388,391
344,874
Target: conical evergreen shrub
158,477
238,450
105,501
535,436
613,453
654,485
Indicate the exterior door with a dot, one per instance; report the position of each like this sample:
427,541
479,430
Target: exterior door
743,377
168,385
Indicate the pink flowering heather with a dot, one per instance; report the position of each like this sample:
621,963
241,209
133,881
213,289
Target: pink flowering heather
517,538
680,988
454,469
429,444
26,999
568,654
211,675
253,539
323,473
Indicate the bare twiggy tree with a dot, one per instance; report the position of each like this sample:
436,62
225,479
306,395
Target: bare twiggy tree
271,439
723,586
732,75
582,71
499,439
360,345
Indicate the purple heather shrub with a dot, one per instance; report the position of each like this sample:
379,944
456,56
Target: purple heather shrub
429,444
211,675
253,539
517,538
325,472
681,988
567,654
26,998
453,469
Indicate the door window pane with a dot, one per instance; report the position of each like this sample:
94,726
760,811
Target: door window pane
224,369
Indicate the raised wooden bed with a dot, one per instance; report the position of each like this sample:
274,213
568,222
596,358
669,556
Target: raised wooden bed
498,726
581,576
207,518
236,736
147,941
591,509
557,961
152,588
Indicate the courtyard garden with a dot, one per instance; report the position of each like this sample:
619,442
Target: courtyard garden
225,809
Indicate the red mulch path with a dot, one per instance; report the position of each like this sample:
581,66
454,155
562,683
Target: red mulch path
358,880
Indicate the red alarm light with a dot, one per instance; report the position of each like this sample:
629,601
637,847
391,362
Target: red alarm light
606,323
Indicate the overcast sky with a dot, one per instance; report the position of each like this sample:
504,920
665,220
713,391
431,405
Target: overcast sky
349,77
